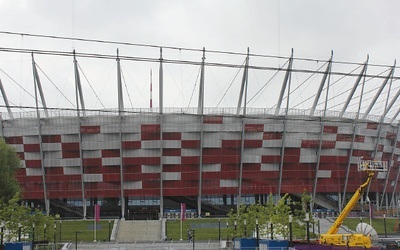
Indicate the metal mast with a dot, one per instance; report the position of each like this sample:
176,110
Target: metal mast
120,111
244,87
3,92
321,86
200,111
161,85
79,96
38,86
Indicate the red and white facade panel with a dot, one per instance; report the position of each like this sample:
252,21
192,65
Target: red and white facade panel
87,156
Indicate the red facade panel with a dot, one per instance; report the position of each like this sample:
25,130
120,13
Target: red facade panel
272,136
131,145
190,144
270,159
213,119
254,127
253,143
86,162
31,147
349,138
171,152
70,154
90,129
33,163
372,125
330,129
231,143
51,138
172,136
109,153
70,146
190,160
14,140
315,144
112,177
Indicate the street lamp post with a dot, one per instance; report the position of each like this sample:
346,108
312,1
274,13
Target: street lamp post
257,232
384,223
2,230
55,232
244,223
227,239
109,230
290,230
44,231
33,235
76,239
308,227
272,230
235,228
19,232
60,231
219,229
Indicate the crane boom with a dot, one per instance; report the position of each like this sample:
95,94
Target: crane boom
350,205
360,240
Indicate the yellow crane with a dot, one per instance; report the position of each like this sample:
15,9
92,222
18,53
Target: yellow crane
331,237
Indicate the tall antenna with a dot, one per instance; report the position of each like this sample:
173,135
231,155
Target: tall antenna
151,89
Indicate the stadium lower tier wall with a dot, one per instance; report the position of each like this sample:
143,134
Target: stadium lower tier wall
134,155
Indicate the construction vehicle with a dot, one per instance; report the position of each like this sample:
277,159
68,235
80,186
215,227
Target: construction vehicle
331,237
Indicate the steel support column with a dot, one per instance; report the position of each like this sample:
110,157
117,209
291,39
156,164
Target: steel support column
79,97
161,86
120,113
200,111
244,87
37,87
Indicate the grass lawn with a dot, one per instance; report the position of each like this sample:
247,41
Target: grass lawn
205,228
377,223
85,229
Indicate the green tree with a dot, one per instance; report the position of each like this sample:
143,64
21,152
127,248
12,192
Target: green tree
272,212
9,164
20,220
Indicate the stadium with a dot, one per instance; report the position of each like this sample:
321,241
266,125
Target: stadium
142,162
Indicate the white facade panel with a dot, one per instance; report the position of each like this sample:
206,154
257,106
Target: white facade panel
272,143
31,139
70,138
72,170
52,163
151,144
324,173
251,158
71,162
172,144
210,143
191,136
308,158
34,172
32,156
132,185
92,178
111,161
269,167
171,160
171,176
91,153
211,168
51,146
228,183
190,152
151,169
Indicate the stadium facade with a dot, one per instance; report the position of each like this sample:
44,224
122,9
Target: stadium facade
211,159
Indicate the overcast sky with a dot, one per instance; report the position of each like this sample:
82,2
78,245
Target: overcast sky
352,29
